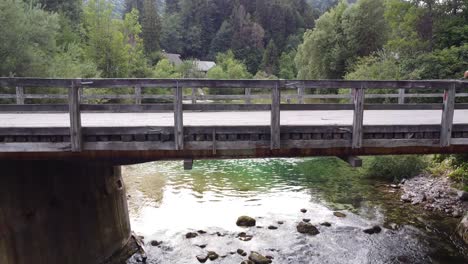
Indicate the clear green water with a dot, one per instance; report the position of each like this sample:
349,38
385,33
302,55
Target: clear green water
166,202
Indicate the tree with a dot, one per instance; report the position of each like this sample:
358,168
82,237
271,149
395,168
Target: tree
222,41
151,26
227,67
287,68
27,39
164,69
172,6
270,59
72,9
171,34
341,36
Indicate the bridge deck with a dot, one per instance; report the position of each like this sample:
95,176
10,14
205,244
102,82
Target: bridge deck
206,119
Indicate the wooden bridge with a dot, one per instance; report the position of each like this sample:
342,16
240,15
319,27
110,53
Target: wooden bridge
133,120
62,141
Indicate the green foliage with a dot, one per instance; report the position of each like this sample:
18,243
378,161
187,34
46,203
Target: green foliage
270,61
70,62
287,68
164,69
227,67
151,26
382,65
341,36
171,34
27,39
395,167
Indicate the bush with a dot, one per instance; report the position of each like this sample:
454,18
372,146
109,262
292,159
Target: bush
395,167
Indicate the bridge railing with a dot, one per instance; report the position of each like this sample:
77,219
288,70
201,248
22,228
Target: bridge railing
74,100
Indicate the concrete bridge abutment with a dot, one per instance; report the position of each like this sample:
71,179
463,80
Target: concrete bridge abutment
62,212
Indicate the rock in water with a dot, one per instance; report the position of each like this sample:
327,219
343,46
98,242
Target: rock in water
257,258
307,228
245,221
327,224
462,195
155,243
191,235
212,255
462,228
202,258
304,210
307,220
272,227
247,262
373,230
339,214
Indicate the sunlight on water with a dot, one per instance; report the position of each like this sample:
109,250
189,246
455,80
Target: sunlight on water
165,202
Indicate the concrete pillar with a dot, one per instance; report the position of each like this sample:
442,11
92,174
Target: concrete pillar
61,212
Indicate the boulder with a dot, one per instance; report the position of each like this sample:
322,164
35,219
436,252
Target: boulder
191,235
462,195
307,228
155,243
462,228
202,258
339,214
258,258
212,255
245,221
373,230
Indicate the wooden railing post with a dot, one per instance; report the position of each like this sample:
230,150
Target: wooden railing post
178,118
194,95
275,117
75,116
248,99
401,96
358,117
19,95
300,95
447,116
138,94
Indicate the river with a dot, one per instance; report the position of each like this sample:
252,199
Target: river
166,202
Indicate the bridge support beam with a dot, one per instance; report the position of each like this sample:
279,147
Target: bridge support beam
62,212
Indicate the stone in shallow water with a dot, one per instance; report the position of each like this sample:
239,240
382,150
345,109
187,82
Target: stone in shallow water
155,243
327,224
212,255
202,258
258,258
190,235
304,210
307,228
245,221
247,262
307,220
462,228
272,227
339,214
280,222
373,230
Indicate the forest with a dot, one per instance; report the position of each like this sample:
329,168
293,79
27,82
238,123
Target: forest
263,39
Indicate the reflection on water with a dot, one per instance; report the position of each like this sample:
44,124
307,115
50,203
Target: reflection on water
166,202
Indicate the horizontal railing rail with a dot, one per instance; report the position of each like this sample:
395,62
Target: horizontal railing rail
73,101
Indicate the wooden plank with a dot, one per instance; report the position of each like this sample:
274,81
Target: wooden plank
300,95
137,94
34,108
395,143
401,96
194,95
459,141
358,117
123,108
228,107
275,117
20,95
200,83
248,92
35,147
178,119
353,161
188,164
403,106
75,117
129,146
447,116
302,107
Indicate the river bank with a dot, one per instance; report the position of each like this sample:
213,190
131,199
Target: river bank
188,214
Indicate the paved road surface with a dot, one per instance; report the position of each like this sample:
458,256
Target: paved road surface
383,117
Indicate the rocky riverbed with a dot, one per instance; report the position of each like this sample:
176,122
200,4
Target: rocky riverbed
284,210
434,194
